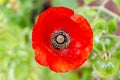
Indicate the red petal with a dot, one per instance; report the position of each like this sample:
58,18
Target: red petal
79,49
40,57
64,64
87,30
42,31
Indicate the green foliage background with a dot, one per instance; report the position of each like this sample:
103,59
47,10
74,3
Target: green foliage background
16,54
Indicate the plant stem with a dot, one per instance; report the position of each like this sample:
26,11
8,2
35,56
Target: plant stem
97,51
100,10
115,48
105,10
111,13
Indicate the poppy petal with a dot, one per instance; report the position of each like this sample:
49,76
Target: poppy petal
76,54
64,64
38,45
40,57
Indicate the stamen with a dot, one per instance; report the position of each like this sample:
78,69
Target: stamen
60,39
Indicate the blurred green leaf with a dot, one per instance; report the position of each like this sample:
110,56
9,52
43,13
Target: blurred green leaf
100,24
117,2
86,74
106,68
100,40
112,26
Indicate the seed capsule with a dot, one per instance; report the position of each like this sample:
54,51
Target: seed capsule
60,39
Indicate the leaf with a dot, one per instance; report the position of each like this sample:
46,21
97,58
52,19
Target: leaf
67,3
100,24
112,26
117,2
2,2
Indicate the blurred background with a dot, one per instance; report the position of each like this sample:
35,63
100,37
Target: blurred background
17,18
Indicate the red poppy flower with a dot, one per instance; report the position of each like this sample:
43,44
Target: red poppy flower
61,39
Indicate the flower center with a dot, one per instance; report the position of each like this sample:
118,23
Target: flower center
60,39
